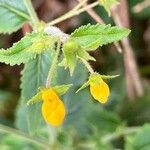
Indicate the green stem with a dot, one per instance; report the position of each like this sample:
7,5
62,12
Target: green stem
53,66
28,138
110,137
72,13
87,65
52,134
32,13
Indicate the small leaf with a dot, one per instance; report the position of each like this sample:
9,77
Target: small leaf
109,76
62,89
107,4
13,14
86,84
35,98
90,37
26,49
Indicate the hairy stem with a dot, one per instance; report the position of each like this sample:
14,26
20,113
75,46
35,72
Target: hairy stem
53,66
32,13
87,65
74,13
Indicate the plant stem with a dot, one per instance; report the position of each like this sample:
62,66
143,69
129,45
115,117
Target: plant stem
87,65
92,13
110,137
53,66
141,6
71,14
32,13
79,5
52,134
30,139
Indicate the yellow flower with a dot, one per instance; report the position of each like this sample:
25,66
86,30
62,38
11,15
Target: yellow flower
98,88
100,91
53,109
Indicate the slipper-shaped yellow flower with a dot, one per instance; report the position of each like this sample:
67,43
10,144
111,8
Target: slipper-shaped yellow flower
98,88
100,91
53,109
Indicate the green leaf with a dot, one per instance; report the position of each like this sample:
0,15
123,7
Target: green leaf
13,15
90,37
107,4
34,76
139,141
26,49
62,89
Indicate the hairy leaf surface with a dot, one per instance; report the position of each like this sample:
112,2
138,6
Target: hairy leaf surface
13,14
91,37
26,49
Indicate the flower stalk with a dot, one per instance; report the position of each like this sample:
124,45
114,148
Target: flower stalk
32,13
53,66
72,13
87,65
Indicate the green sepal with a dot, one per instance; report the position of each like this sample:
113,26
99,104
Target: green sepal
86,84
95,78
34,99
61,89
70,49
109,76
85,55
71,61
107,4
41,42
71,46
